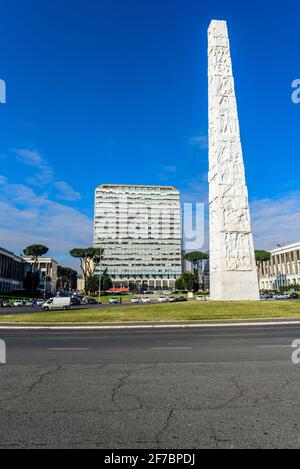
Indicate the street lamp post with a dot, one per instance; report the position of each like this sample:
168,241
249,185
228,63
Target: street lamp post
99,266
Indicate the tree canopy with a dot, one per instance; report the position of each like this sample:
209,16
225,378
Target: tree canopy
196,257
262,256
67,277
187,281
35,250
89,258
92,283
106,282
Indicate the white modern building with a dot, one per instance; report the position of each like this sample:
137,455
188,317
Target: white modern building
283,269
80,283
12,268
139,229
47,268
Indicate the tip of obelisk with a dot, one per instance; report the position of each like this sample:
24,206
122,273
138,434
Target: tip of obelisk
218,32
218,24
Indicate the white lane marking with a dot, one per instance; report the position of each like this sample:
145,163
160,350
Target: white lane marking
83,338
67,348
170,348
273,346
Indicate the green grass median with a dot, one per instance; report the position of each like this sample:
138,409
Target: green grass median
191,311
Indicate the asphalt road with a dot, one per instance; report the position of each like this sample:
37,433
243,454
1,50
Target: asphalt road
217,387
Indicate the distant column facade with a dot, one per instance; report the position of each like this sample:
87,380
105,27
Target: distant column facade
283,269
233,274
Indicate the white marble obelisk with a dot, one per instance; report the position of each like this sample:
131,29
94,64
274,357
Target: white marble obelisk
233,273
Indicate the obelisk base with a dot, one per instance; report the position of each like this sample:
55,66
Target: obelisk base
233,286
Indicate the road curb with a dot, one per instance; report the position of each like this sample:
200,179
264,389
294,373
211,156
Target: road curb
63,326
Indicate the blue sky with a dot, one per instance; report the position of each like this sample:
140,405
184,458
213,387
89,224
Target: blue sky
115,91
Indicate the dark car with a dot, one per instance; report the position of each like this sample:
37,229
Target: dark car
90,301
294,296
75,300
93,301
181,298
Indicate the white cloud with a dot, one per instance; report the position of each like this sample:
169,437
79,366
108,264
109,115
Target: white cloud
65,192
195,190
42,178
27,218
276,221
166,172
30,157
44,174
199,141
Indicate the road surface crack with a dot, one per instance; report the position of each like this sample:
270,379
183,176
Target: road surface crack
117,388
34,384
164,428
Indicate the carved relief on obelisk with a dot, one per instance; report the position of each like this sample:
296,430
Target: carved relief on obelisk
233,273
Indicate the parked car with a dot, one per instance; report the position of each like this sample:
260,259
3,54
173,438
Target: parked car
171,299
75,300
38,302
89,301
263,296
113,300
266,296
5,303
29,303
270,296
201,298
18,303
93,301
294,296
57,302
281,296
181,298
162,299
135,300
146,299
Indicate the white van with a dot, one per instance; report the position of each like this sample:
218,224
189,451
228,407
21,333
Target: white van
58,302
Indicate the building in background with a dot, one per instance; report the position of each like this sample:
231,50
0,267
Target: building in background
12,271
47,268
80,283
187,266
139,229
283,269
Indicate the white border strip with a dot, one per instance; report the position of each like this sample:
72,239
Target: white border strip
146,326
